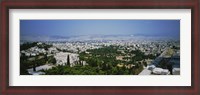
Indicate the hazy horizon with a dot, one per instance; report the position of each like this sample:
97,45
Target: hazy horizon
65,28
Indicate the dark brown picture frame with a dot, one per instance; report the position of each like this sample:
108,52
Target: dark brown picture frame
99,4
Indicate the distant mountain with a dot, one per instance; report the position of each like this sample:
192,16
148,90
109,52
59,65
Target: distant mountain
92,37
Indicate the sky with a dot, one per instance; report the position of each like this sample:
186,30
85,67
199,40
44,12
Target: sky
99,27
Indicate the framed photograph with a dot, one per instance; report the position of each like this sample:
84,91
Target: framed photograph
100,47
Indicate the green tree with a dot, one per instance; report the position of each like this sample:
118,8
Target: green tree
145,64
34,66
54,61
68,60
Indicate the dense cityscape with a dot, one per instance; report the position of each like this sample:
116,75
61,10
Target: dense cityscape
100,47
129,55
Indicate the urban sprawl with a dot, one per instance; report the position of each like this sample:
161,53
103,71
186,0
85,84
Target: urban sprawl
100,57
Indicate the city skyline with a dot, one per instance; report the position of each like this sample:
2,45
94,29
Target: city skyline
100,47
164,28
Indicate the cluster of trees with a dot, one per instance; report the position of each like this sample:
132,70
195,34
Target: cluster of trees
101,61
51,59
33,62
88,70
176,47
45,46
28,45
140,55
64,50
27,62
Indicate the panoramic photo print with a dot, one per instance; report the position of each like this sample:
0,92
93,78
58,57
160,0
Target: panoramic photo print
100,47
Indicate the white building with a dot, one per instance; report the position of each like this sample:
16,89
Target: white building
61,58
